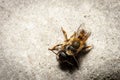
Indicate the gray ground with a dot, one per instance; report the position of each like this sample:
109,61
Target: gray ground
29,27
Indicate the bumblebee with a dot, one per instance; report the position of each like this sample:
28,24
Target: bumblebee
67,51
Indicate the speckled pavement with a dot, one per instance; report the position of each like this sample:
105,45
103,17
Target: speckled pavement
29,27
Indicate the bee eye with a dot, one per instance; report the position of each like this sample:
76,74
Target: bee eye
70,48
62,55
76,45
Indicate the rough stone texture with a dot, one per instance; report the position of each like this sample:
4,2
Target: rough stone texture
29,27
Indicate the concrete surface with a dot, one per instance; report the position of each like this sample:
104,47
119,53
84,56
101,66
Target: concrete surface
29,27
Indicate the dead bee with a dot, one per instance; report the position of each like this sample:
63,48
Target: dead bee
67,51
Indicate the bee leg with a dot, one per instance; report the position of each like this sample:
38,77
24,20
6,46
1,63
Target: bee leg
54,52
54,47
76,60
80,48
74,35
64,33
68,62
88,48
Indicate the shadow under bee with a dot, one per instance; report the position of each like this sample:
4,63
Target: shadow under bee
72,68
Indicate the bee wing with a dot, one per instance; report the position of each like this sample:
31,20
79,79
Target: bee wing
82,31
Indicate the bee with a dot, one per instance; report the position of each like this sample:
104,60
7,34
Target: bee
70,48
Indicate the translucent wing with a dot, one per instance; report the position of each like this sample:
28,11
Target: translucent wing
82,31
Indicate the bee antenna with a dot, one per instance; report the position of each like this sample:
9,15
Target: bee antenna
53,52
